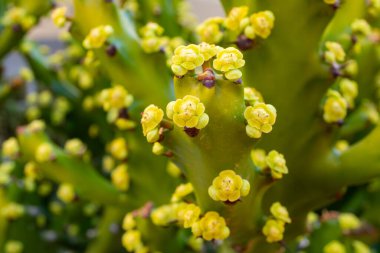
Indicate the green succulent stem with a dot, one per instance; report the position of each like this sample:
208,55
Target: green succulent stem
104,241
130,65
66,169
361,162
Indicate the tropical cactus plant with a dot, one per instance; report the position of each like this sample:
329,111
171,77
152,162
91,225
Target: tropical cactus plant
151,133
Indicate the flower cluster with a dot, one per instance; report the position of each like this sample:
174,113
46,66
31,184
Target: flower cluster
335,107
164,215
18,16
236,25
10,148
210,31
260,117
361,27
334,247
275,226
186,58
152,40
274,162
13,246
251,96
277,164
58,15
120,177
131,239
182,191
348,221
334,53
150,121
261,24
12,211
97,37
75,147
228,187
349,90
116,97
188,214
6,169
211,227
66,193
228,61
188,112
118,148
44,153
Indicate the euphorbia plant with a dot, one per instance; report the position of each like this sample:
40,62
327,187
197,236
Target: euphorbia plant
152,134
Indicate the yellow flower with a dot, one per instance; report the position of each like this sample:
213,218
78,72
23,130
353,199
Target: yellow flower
173,170
11,148
129,222
116,97
260,117
311,218
251,95
163,215
209,31
334,53
186,58
208,50
18,16
188,112
151,29
351,68
349,90
12,211
97,36
258,157
152,44
335,107
280,212
277,164
26,74
181,191
118,148
31,171
158,148
131,240
58,16
342,145
125,124
66,192
151,118
228,187
13,247
334,247
361,26
211,227
120,177
262,23
228,61
274,230
44,153
360,247
195,243
235,16
348,221
188,214
44,98
75,147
